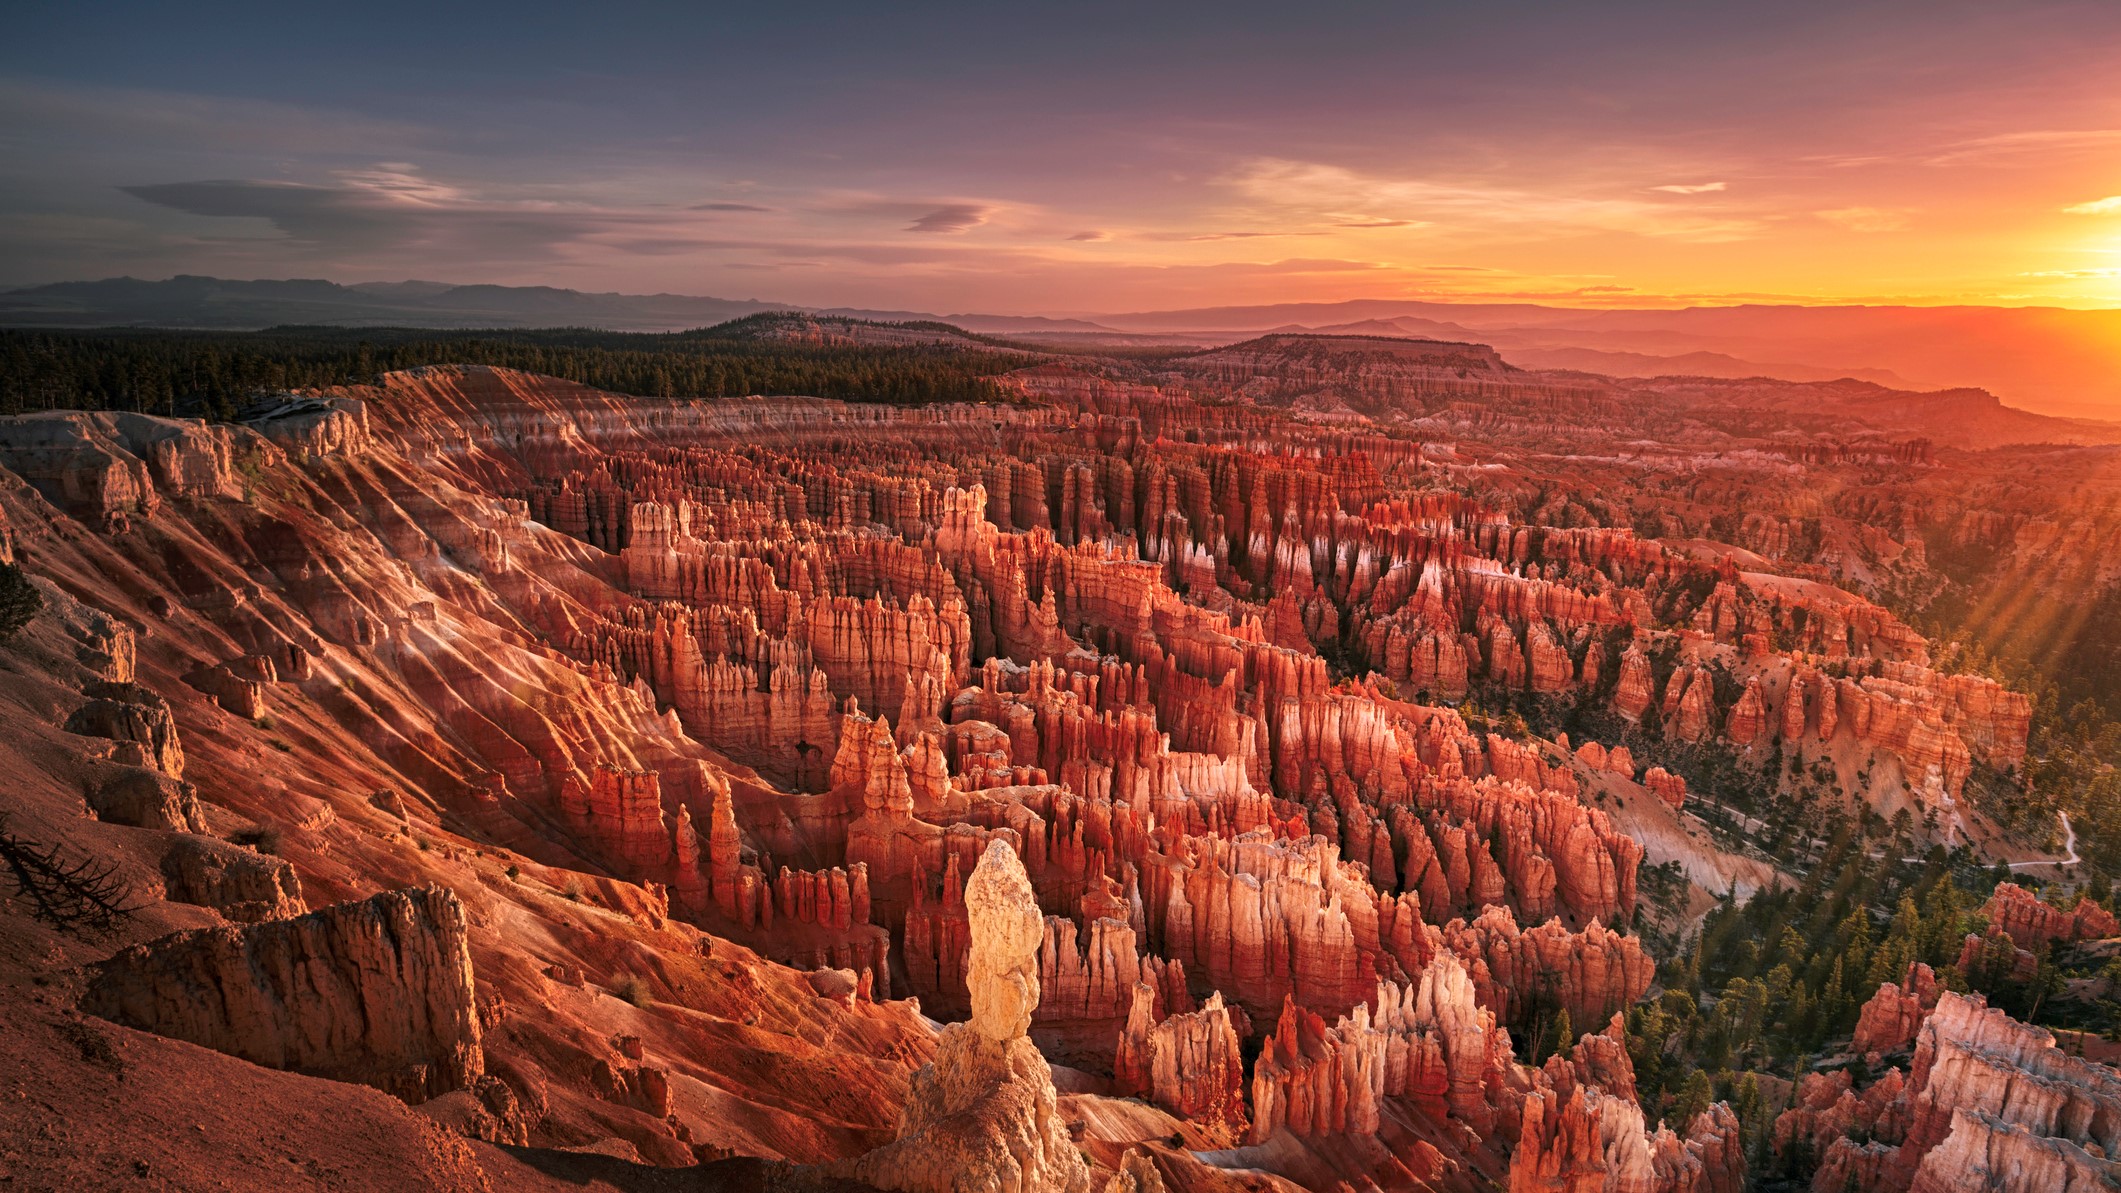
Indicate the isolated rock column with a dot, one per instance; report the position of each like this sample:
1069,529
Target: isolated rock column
983,1115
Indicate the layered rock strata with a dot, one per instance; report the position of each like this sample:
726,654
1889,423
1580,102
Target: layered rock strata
378,992
1987,1103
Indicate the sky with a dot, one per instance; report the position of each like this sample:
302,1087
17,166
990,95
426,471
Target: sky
1033,158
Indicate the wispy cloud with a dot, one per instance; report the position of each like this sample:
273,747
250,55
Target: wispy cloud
2040,140
392,206
1318,190
1692,188
2111,205
2074,274
1193,237
1867,219
727,207
951,217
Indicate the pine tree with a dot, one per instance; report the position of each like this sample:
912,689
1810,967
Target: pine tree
1751,1109
1834,1000
1561,1041
19,601
1803,1018
1694,1098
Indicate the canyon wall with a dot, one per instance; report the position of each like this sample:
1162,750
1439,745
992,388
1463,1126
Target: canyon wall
781,679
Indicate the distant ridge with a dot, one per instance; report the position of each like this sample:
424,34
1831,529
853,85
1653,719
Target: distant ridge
188,301
217,304
2052,360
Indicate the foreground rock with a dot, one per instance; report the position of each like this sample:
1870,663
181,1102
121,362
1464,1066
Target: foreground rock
240,883
377,992
983,1115
1891,1018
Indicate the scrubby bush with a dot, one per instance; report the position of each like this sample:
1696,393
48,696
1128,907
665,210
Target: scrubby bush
632,988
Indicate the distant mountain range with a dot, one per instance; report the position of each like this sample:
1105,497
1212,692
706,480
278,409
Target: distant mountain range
2056,361
213,303
2064,362
188,301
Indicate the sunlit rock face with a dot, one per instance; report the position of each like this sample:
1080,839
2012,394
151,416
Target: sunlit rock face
982,1114
1986,1103
1120,730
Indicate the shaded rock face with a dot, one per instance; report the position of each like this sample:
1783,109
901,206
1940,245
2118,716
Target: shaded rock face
1580,1128
243,695
1428,1043
487,1109
147,798
1986,1154
983,1114
1190,1063
112,467
1971,1057
239,883
377,992
1891,1018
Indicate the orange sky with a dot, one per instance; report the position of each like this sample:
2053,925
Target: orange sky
1086,157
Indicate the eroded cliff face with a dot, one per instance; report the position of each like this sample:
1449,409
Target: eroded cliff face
2032,924
1896,1012
689,700
304,668
1987,1103
378,992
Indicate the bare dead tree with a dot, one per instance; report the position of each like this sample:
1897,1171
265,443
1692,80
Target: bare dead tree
84,895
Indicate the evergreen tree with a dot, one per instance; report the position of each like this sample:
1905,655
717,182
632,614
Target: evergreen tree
19,601
1751,1110
1694,1098
1561,1041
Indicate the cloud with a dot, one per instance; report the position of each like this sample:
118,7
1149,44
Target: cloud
1367,222
348,215
2043,140
1999,147
2111,205
1317,190
391,206
1092,235
1698,188
727,207
1866,219
1190,237
2073,273
952,217
663,246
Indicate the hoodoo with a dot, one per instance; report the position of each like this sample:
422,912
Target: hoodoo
982,1114
1112,785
